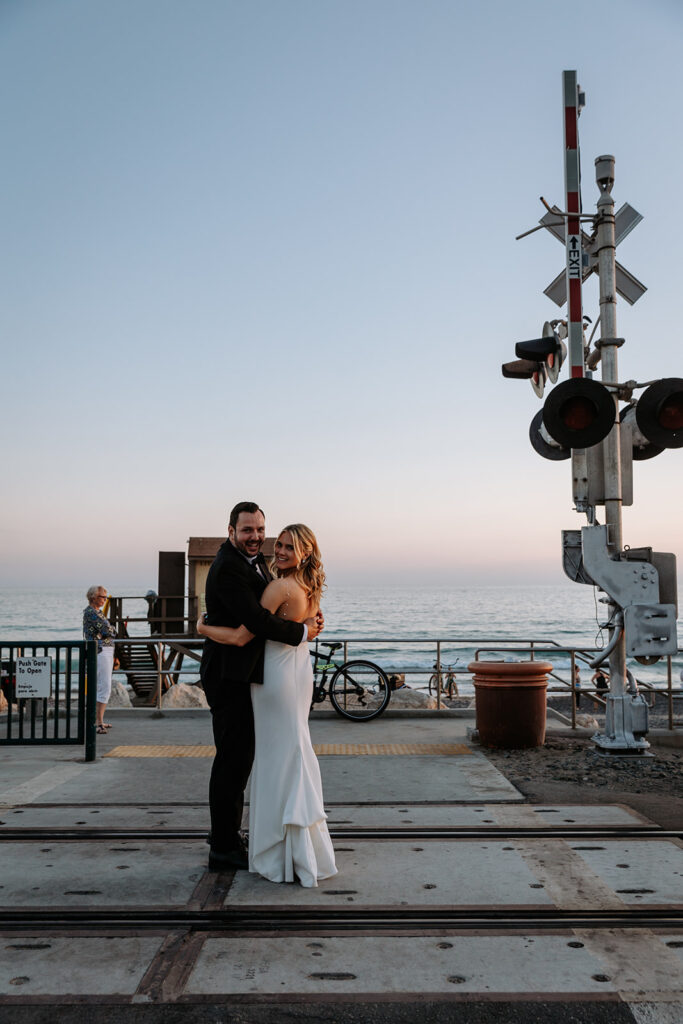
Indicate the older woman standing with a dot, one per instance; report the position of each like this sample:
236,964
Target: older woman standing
97,627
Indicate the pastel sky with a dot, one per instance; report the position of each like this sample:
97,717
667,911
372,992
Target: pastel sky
266,250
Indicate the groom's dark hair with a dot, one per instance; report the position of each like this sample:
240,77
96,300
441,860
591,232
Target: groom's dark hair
244,506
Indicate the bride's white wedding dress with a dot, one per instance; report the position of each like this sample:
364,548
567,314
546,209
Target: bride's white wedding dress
288,836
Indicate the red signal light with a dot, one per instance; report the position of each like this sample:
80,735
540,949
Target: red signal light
579,413
659,413
671,413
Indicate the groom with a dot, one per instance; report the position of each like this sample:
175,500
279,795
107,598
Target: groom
236,580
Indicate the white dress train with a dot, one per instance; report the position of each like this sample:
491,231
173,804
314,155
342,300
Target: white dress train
288,836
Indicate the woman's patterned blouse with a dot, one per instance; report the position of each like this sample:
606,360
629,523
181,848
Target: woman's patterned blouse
96,627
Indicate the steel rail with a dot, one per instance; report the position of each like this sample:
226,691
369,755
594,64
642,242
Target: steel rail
359,833
332,919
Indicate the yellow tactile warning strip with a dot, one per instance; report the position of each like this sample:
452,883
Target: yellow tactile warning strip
324,749
187,750
321,749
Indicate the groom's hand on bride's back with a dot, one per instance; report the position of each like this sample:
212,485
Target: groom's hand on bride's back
315,625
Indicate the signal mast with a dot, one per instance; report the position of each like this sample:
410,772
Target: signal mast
581,420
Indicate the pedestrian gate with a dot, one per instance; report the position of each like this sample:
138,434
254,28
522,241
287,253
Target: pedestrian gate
50,692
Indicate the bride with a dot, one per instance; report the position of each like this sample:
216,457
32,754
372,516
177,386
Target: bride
288,836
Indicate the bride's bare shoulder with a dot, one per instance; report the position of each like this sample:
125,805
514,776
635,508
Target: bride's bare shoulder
293,598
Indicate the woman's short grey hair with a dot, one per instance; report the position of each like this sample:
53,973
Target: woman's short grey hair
92,592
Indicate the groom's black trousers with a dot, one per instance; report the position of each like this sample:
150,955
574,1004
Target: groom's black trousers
233,733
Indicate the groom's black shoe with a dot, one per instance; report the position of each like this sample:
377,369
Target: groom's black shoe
243,835
236,859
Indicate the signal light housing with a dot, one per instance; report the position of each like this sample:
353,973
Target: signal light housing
527,369
518,369
659,413
641,447
549,350
579,413
546,445
539,360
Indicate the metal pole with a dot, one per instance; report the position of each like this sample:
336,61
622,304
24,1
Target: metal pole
438,675
90,699
572,190
160,649
574,265
604,172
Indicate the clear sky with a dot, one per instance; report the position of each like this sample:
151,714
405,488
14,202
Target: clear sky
265,250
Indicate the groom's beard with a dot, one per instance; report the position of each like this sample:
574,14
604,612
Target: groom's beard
244,550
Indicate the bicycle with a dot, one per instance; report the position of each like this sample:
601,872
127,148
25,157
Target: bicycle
358,689
449,688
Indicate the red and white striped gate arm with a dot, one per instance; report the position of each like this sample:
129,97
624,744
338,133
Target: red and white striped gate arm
572,187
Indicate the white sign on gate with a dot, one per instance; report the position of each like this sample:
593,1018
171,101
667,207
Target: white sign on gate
34,677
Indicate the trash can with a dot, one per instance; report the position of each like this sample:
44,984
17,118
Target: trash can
510,702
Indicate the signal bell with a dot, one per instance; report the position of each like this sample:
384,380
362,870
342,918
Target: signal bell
579,413
659,413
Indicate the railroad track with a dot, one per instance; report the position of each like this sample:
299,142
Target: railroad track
310,921
478,832
240,920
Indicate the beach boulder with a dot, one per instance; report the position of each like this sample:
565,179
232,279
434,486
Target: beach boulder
406,697
183,696
587,722
119,697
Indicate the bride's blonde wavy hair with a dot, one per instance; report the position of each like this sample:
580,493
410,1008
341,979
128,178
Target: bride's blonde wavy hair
309,572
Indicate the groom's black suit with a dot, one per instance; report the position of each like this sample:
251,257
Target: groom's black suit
233,592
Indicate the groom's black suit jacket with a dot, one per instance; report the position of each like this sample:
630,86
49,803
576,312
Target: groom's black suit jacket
233,593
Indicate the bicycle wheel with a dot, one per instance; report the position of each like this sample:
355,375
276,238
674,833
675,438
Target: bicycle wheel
434,685
359,690
452,686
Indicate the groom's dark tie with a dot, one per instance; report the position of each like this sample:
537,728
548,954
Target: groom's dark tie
259,564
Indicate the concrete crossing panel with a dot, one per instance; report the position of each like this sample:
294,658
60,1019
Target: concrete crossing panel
408,873
640,872
471,816
196,816
116,873
76,816
415,779
445,964
637,962
61,966
657,1013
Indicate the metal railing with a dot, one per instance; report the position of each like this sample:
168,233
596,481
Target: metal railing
166,663
68,714
586,656
181,611
167,671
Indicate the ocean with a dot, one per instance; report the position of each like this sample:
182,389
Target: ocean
396,626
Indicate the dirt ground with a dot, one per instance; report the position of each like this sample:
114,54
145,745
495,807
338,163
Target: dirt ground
572,770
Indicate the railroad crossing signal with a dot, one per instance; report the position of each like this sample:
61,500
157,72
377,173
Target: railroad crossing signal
628,286
578,421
